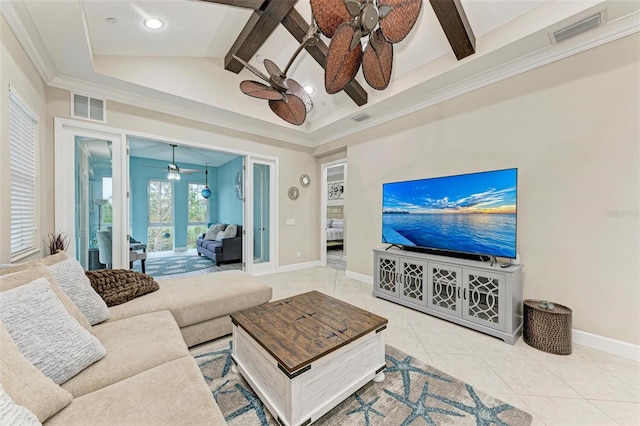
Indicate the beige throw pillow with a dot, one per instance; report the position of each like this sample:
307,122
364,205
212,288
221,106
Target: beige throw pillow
70,276
213,230
25,384
29,272
45,333
230,231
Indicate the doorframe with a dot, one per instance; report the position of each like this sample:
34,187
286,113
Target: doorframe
323,206
66,129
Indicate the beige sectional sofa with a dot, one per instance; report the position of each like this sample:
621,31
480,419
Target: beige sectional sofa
147,376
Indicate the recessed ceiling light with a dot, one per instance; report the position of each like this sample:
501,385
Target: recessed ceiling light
309,89
153,23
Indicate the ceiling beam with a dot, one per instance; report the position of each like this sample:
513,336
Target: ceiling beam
255,32
298,27
247,4
456,26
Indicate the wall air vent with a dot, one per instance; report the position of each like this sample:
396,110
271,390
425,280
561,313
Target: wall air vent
361,117
577,28
87,107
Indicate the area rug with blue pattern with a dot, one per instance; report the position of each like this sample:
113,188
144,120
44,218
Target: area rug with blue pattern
411,393
172,265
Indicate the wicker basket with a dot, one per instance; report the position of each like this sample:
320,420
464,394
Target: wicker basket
548,330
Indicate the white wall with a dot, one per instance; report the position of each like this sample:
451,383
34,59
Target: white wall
17,71
572,129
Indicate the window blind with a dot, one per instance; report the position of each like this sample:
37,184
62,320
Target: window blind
22,148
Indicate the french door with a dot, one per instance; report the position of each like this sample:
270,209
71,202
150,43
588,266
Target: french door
91,191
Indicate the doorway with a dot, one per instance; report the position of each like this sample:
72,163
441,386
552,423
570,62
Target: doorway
333,217
232,198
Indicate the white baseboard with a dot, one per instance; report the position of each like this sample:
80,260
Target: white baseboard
180,249
612,346
360,277
298,266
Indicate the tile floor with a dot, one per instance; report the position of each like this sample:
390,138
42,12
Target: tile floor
588,387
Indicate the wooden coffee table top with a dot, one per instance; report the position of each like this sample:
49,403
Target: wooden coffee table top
301,329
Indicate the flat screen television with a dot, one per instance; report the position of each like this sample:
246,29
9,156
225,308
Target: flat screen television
472,214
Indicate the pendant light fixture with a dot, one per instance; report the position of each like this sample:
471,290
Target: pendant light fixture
206,192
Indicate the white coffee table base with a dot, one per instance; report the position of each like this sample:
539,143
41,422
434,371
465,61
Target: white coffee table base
305,395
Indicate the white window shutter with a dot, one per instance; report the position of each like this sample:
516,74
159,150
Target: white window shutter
22,135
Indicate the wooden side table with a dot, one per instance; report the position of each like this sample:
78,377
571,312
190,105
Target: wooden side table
548,330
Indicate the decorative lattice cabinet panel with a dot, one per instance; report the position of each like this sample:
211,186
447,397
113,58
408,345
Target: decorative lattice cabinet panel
474,294
444,288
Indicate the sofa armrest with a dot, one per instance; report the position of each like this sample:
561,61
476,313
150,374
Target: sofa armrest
232,248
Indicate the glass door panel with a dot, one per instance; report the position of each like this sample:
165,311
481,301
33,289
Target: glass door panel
261,228
93,202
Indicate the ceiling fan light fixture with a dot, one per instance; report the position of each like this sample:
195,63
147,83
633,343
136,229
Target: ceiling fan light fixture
173,175
153,23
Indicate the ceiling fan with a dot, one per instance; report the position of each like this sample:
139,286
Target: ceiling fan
173,171
345,22
287,98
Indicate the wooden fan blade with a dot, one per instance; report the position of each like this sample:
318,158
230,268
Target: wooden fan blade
292,110
329,15
272,68
251,68
342,61
295,89
403,16
259,90
377,62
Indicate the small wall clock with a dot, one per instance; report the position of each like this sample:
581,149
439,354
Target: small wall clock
293,193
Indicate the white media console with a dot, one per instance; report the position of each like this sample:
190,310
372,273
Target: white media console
467,292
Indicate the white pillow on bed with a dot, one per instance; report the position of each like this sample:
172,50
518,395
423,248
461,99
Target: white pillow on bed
329,222
338,223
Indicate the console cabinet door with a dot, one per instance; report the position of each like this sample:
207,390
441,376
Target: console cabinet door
444,288
386,280
412,281
484,298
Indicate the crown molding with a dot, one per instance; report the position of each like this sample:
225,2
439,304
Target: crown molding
199,112
34,49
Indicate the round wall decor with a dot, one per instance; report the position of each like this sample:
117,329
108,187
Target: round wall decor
293,193
305,180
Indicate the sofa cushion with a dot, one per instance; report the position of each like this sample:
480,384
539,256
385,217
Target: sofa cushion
71,277
133,345
199,298
212,246
117,286
213,230
31,271
13,414
25,384
45,333
173,393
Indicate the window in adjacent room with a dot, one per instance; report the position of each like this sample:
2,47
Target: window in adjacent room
160,232
198,214
22,151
